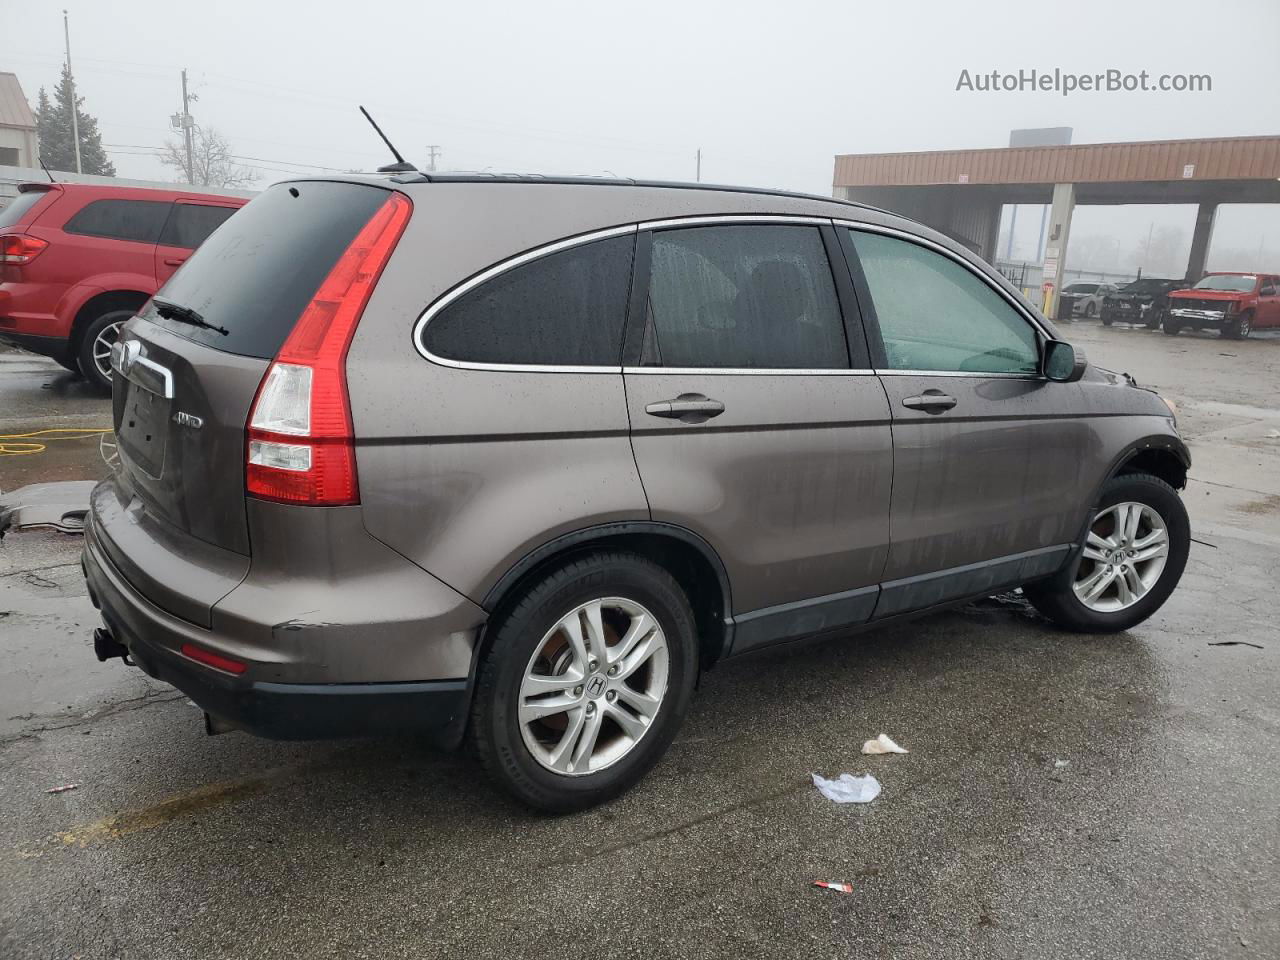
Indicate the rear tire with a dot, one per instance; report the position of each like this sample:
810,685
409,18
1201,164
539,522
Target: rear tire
1061,597
542,757
94,354
1091,311
1107,320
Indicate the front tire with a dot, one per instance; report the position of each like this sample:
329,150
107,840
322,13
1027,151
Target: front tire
1133,556
94,355
1172,329
1240,328
585,683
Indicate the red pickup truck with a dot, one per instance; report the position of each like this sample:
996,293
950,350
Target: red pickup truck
77,260
1235,303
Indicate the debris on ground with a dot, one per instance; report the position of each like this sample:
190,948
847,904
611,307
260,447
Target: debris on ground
1012,602
1059,764
833,885
1237,643
64,788
847,788
882,744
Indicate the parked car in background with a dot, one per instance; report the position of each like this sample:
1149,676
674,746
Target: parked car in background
77,260
1083,299
512,460
1234,303
1142,301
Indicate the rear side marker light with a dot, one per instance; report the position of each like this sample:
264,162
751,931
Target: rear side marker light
300,439
19,248
211,659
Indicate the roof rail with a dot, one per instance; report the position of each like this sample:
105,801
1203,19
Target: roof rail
621,182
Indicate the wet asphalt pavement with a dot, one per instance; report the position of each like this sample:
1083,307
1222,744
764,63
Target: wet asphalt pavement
1159,837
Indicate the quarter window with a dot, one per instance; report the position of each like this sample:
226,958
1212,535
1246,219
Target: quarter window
139,220
191,223
935,314
564,309
750,296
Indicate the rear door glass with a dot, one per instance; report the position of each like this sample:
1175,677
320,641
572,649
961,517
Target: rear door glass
191,223
256,274
744,296
138,220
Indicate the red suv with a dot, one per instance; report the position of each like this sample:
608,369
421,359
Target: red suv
77,260
1235,303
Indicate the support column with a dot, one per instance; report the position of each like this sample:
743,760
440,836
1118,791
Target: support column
1206,216
1055,247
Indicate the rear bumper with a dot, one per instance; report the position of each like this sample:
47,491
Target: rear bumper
27,310
298,683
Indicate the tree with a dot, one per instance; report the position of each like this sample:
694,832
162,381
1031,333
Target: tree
212,164
57,145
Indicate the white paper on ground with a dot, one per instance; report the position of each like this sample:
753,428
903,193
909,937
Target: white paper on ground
847,788
882,744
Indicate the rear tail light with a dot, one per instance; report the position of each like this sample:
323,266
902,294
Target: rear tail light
301,445
19,248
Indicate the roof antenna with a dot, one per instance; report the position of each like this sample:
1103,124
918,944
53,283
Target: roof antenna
401,165
46,170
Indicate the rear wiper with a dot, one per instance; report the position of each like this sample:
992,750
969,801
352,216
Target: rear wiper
176,311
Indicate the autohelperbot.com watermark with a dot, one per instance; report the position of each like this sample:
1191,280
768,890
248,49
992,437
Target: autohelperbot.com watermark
1067,82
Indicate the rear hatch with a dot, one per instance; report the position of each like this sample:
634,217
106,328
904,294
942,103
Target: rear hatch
183,392
33,201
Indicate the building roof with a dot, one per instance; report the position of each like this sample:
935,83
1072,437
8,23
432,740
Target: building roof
14,109
1226,158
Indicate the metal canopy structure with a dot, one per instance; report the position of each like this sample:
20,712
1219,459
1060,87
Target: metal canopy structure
961,192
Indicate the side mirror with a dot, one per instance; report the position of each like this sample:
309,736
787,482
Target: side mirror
1062,362
1267,292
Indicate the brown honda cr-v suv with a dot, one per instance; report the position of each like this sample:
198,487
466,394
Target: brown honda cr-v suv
511,460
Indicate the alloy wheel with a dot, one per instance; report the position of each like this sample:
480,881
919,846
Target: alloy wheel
102,344
1124,554
594,686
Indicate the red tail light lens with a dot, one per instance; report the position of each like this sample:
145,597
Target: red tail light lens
301,445
19,248
209,658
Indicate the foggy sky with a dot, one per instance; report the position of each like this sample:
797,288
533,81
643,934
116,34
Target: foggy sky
770,91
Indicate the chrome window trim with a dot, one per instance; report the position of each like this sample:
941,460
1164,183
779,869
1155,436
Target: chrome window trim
753,371
980,374
951,254
719,219
528,256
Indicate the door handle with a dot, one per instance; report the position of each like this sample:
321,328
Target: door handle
687,408
931,401
175,261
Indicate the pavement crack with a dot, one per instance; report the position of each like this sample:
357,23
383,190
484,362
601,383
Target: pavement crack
85,719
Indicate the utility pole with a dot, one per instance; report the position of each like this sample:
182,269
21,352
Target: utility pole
75,109
433,151
186,128
698,174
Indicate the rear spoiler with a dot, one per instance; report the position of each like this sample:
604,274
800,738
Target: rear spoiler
38,186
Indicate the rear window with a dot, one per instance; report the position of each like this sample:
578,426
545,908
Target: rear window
137,220
255,275
20,205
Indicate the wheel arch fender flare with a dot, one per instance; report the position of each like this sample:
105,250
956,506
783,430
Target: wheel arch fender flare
1158,444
